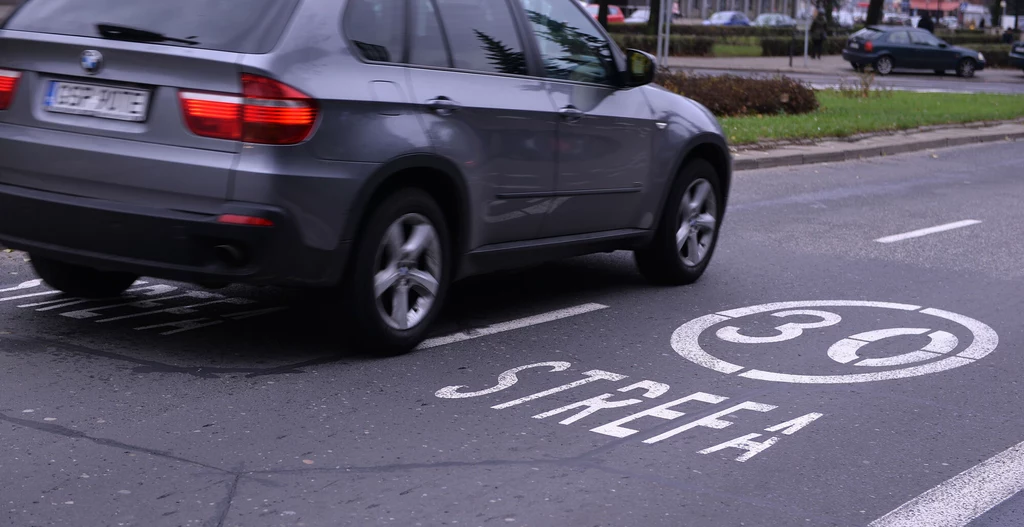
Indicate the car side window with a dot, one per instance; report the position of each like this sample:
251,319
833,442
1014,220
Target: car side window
426,42
376,28
482,36
899,37
569,43
923,38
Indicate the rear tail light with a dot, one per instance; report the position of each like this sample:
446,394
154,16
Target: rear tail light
235,219
869,46
267,112
8,84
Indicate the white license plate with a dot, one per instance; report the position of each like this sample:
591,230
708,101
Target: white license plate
105,102
854,45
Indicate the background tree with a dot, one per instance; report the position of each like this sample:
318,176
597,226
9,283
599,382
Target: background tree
875,12
652,22
996,9
602,13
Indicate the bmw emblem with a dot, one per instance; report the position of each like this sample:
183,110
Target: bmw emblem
92,61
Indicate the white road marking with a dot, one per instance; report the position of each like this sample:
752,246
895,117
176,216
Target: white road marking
958,501
511,325
686,342
930,230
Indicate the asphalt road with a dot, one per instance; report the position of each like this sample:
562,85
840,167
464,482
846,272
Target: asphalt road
989,81
179,408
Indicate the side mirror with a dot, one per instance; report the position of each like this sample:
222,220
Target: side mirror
640,67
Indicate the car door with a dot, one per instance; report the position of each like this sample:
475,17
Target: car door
926,49
903,54
484,113
605,134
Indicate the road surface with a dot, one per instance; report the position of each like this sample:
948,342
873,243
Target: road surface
852,357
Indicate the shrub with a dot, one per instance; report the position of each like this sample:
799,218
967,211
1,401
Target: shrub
779,47
732,96
678,46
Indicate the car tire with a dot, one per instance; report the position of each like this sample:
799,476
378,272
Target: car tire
695,204
965,68
81,281
884,65
401,264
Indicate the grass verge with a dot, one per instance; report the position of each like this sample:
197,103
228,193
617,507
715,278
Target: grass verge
841,115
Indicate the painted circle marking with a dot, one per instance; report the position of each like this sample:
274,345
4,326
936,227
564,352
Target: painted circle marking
685,341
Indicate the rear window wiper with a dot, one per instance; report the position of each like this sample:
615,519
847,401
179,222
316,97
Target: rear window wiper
131,34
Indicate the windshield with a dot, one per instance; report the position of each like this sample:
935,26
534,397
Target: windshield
244,26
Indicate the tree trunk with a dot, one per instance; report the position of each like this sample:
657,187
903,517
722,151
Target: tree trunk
602,13
875,12
652,22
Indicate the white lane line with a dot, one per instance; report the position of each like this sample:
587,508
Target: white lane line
966,496
930,230
511,325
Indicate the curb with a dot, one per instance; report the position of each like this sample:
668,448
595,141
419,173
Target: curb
858,153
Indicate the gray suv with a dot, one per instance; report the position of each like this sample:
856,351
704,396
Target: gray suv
383,147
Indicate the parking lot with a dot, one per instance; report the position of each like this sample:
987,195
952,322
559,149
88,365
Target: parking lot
853,348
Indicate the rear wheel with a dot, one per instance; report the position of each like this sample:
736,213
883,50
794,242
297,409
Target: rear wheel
965,68
687,233
399,275
80,281
884,65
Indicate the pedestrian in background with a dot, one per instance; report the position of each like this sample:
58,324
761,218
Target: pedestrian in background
818,32
926,23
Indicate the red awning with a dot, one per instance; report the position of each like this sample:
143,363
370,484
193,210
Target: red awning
935,5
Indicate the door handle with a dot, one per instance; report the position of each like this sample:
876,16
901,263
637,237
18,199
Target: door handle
443,106
571,114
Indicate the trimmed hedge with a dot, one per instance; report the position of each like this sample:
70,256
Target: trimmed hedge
995,56
678,46
779,47
732,96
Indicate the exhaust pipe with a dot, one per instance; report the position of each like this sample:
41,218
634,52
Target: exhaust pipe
230,255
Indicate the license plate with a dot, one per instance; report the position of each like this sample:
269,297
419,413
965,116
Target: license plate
105,102
854,45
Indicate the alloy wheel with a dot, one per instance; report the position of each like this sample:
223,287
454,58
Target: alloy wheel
698,213
407,271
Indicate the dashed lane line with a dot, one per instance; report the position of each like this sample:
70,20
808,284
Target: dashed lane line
510,325
930,230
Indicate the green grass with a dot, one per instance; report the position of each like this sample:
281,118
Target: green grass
736,50
841,116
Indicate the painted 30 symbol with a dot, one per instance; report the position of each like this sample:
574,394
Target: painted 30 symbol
845,351
941,345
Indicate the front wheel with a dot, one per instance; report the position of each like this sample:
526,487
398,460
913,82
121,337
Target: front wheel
399,275
80,281
965,68
687,233
884,65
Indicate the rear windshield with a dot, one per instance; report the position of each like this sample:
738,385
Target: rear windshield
243,26
868,34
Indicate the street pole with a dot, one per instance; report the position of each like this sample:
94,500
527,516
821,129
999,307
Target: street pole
807,34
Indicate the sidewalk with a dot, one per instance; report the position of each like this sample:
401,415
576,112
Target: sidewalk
828,65
750,158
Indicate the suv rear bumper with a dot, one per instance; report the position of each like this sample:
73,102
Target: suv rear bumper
163,243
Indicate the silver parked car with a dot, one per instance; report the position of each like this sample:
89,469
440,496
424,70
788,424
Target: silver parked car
385,147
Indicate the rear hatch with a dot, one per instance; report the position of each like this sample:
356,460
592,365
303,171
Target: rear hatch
97,102
860,39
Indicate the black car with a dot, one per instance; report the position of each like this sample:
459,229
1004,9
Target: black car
888,47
